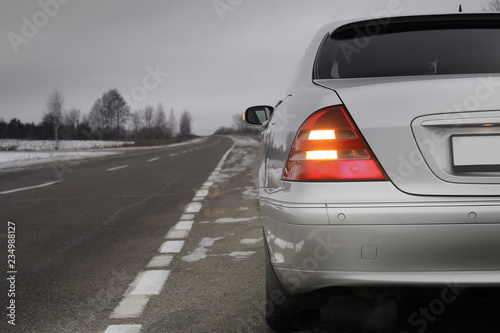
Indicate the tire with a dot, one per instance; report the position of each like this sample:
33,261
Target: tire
286,312
280,312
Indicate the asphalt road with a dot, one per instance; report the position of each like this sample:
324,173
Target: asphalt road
169,240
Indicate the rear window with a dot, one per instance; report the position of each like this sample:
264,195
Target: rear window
400,48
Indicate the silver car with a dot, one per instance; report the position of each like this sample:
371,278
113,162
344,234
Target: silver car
381,167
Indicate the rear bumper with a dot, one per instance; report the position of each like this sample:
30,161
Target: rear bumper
315,246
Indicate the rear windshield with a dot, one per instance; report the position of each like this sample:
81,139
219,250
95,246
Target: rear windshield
411,49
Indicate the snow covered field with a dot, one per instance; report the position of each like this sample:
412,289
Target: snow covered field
22,145
15,154
18,159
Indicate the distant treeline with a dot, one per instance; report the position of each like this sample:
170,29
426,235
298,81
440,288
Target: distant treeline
15,129
109,119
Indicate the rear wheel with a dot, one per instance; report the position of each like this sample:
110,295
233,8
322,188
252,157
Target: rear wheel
285,312
278,317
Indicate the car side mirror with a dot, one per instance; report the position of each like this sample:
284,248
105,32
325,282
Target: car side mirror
258,115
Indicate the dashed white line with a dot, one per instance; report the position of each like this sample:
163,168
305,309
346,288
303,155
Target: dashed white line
154,159
118,168
177,234
208,185
193,207
131,306
184,225
171,247
150,282
180,230
123,329
174,154
162,260
187,217
29,187
202,193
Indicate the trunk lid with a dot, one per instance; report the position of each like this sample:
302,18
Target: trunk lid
432,135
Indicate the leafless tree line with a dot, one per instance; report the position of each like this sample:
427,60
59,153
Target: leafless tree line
110,118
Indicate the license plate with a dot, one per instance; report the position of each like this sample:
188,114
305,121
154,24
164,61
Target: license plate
476,153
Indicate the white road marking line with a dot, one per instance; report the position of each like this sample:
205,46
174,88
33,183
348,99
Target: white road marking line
154,159
171,247
187,217
208,185
184,152
123,329
177,234
160,261
118,168
184,225
130,306
174,154
29,187
180,230
150,282
193,207
202,193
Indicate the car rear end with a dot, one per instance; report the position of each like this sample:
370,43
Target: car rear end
384,168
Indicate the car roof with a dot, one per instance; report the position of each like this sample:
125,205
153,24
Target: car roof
338,26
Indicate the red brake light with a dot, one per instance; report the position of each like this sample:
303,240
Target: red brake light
328,146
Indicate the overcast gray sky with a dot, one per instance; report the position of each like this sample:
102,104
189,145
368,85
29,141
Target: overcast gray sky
221,56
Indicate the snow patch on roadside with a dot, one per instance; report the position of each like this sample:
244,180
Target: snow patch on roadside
250,241
240,255
250,193
201,251
235,220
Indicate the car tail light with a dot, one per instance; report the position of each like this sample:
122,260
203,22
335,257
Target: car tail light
328,146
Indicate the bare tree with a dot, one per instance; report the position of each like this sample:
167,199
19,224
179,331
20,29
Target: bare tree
116,109
494,6
96,116
136,118
72,119
238,123
172,124
185,124
148,117
160,122
54,114
109,114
